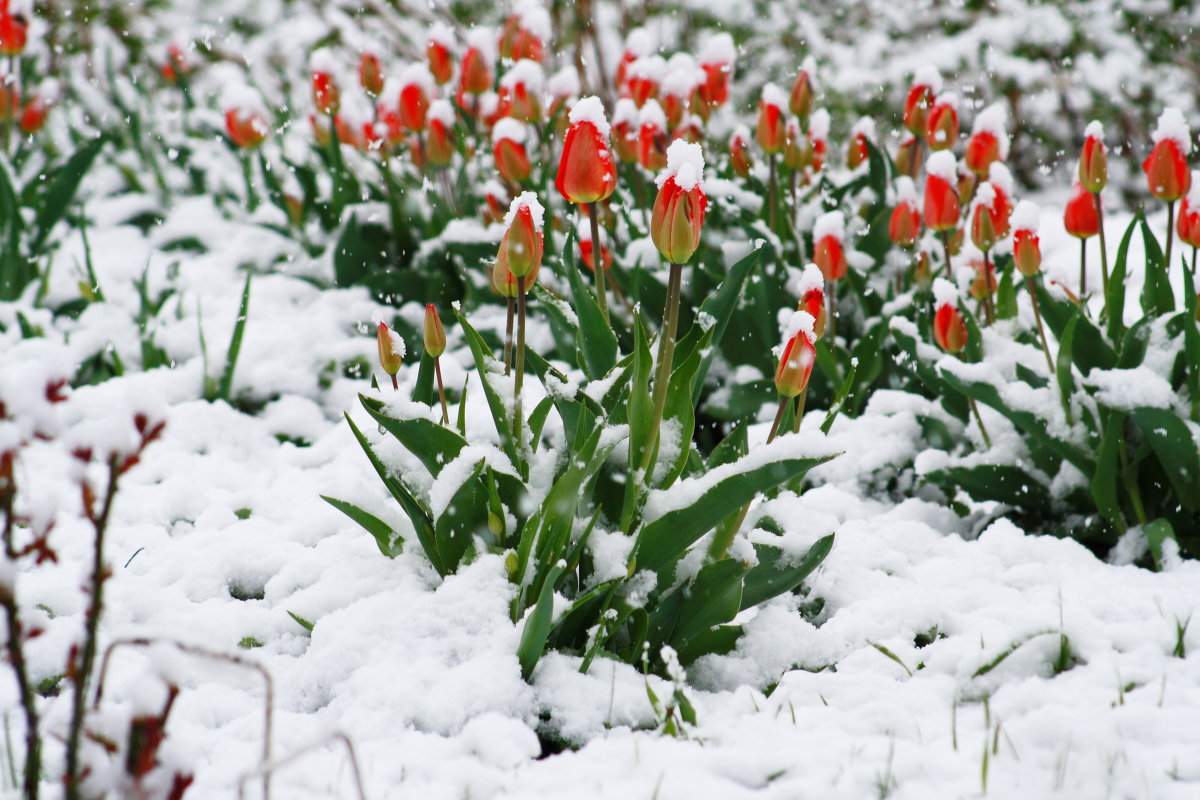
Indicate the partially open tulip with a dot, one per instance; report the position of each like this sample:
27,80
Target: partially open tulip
391,351
245,117
799,355
679,208
949,326
475,73
1079,216
642,78
771,122
370,74
1187,227
587,171
818,138
862,132
925,87
1166,168
942,208
983,218
829,250
521,91
804,89
508,148
1093,159
904,226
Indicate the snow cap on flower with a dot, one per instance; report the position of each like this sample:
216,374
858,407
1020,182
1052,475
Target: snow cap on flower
905,190
590,109
810,279
510,129
831,223
564,84
818,125
679,208
1026,217
685,163
945,293
994,120
1093,159
1172,126
442,111
526,200
943,164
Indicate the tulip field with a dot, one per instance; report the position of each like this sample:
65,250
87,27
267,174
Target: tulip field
594,399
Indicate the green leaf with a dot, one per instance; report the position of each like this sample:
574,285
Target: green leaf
301,621
720,307
423,391
839,402
1173,443
1006,293
1104,480
60,190
235,342
390,544
663,541
486,364
680,407
464,517
1157,532
1114,299
596,341
712,598
731,448
537,625
1063,369
435,445
537,420
1002,483
1157,297
778,572
716,641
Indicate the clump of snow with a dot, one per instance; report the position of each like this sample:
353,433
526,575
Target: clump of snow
526,200
945,293
906,191
1001,177
1193,195
809,67
929,76
685,163
651,68
509,128
417,75
864,127
640,42
441,111
800,322
1172,126
564,83
944,165
683,76
590,109
772,95
994,120
811,278
322,62
831,223
626,112
1094,130
527,72
985,195
818,125
535,19
441,33
741,134
1025,217
718,49
483,40
243,99
652,114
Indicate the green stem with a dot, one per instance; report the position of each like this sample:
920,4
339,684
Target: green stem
248,176
1170,232
946,248
1082,269
662,372
1037,314
771,213
437,370
517,410
1103,247
597,261
1131,487
987,441
783,404
800,401
988,307
508,336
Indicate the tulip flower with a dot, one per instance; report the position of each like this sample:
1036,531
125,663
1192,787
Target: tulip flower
795,367
391,351
1093,175
904,226
370,74
908,156
942,208
521,249
983,217
440,140
326,94
435,345
772,134
1082,222
829,254
988,142
625,131
416,89
245,117
508,148
587,171
33,115
175,67
681,203
1027,256
1166,168
521,91
1188,226
949,326
818,138
1002,182
525,33
797,149
438,52
680,83
739,151
941,123
926,85
716,60
14,31
862,132
811,289
475,72
642,78
804,89
652,136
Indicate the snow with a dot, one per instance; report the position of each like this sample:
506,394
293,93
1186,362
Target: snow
1025,216
640,42
441,33
526,200
928,75
685,163
590,109
942,164
418,75
442,111
527,72
985,195
564,83
1173,127
800,322
483,39
945,293
865,126
535,18
241,98
831,223
906,191
994,120
772,95
1193,195
626,111
651,67
1094,130
818,125
323,62
810,279
718,49
652,114
511,129
1001,178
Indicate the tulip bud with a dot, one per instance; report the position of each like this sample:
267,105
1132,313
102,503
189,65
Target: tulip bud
923,269
370,74
1027,254
640,42
906,154
799,354
587,172
771,125
797,147
942,208
984,283
988,142
905,223
926,84
508,147
624,131
1093,159
522,243
326,95
1166,168
716,60
439,144
10,99
949,326
829,251
587,255
941,126
818,138
33,115
1188,223
475,76
800,102
1002,207
435,334
642,78
983,219
1080,217
652,136
811,288
391,350
739,151
245,117
175,66
416,88
14,31
857,154
679,208
437,53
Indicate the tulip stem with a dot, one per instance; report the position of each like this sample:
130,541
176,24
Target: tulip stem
520,361
1170,232
800,400
915,167
662,372
248,176
771,214
437,370
508,334
783,404
1103,247
831,323
1194,261
946,247
1037,314
1082,269
598,260
987,441
395,384
989,309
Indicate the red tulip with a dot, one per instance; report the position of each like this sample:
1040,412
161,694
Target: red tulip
33,115
771,124
1093,159
941,125
1080,217
800,101
625,131
475,77
245,122
370,74
652,137
949,326
926,84
391,350
522,244
1187,226
906,154
1167,171
799,355
508,148
904,226
679,208
942,208
739,151
716,59
587,172
642,78
14,32
1027,254
520,92
416,86
1002,207
439,141
812,296
829,251
857,154
437,54
585,253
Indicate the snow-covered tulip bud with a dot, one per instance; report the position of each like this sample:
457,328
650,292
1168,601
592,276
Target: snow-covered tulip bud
33,115
391,350
941,126
1166,168
771,123
679,84
811,288
625,131
325,91
370,74
522,243
862,132
739,151
475,75
508,148
1093,159
906,154
1080,217
639,43
804,89
438,53
525,32
175,66
413,100
679,208
716,59
797,147
652,136
1002,207
799,354
904,226
829,249
245,117
642,78
925,87
949,326
14,31
521,91
434,333
818,138
1188,223
1027,252
942,208
587,171
988,142
983,217
439,143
